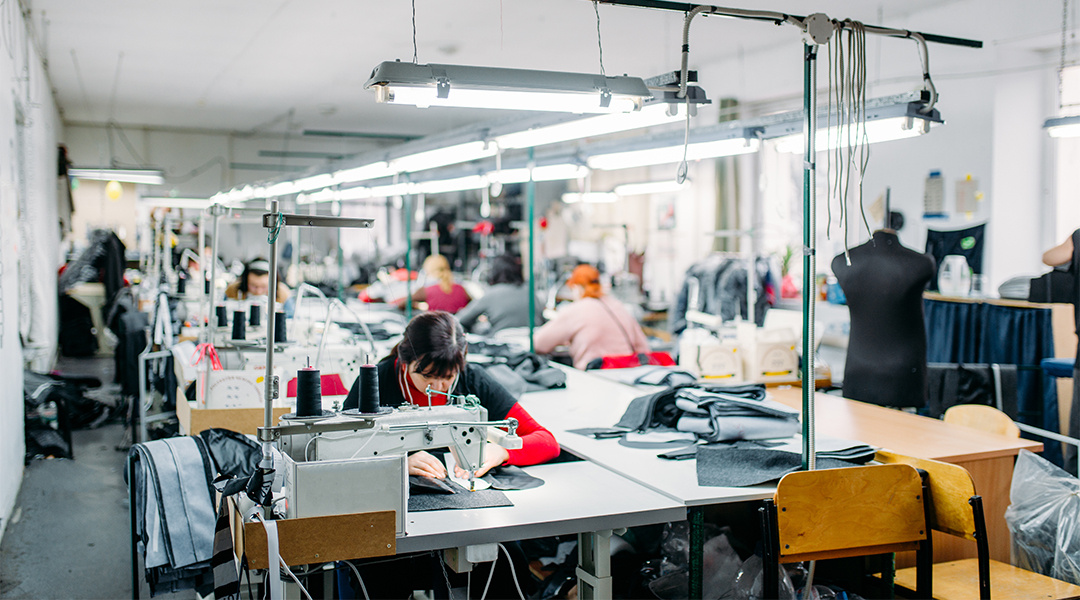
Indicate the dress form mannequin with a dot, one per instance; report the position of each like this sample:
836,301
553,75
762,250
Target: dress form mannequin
886,356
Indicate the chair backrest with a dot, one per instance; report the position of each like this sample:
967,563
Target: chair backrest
835,513
984,418
951,490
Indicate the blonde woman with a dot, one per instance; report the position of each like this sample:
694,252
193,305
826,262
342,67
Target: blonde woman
444,295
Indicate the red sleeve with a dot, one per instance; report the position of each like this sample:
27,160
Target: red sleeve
538,445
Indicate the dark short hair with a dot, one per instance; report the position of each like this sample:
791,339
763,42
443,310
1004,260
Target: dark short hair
435,341
506,269
248,270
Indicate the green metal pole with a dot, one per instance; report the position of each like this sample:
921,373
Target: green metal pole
809,249
407,206
530,202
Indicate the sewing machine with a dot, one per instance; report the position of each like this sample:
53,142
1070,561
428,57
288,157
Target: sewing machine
353,463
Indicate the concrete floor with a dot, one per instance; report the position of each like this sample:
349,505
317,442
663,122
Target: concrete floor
69,534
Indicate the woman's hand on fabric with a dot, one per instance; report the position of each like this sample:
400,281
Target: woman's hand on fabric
494,455
423,464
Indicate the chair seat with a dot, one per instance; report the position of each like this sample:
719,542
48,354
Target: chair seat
959,580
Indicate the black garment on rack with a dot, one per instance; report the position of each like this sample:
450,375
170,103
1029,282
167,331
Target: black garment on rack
964,242
722,290
886,357
949,384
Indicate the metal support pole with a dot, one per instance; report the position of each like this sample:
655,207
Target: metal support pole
211,313
594,565
809,250
696,517
270,382
407,205
530,201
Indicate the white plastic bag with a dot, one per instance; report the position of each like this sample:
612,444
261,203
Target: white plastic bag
1044,518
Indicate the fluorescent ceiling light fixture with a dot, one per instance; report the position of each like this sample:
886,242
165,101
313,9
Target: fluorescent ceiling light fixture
1061,127
438,186
144,176
558,172
374,170
315,182
883,130
167,202
653,114
275,190
440,157
672,154
589,197
492,87
394,189
649,187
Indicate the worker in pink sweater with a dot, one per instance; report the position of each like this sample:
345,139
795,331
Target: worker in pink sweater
594,325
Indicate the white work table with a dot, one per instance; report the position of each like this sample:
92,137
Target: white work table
577,497
593,401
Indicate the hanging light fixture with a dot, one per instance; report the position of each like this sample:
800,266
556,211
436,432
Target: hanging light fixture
1061,127
725,139
143,176
500,88
887,119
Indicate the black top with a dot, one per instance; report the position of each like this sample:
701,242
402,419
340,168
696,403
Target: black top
1074,266
886,355
475,380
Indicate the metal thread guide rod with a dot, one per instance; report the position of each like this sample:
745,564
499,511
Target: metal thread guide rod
809,254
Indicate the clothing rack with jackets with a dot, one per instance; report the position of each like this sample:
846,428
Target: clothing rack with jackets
722,289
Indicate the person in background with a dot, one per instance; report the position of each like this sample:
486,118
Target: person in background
1067,254
506,302
444,295
594,325
255,282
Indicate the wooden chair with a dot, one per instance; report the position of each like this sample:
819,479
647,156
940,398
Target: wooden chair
983,418
955,509
839,513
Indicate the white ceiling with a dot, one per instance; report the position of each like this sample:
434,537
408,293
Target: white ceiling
244,64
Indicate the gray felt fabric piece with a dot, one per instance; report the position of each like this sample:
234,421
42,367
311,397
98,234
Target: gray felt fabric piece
725,466
463,499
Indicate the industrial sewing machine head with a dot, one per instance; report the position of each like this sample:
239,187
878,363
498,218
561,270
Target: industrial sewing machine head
356,462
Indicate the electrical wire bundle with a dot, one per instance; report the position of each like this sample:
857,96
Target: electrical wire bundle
848,143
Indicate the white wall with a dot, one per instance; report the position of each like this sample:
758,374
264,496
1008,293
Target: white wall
29,253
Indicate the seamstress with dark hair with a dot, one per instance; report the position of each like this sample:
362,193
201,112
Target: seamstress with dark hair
506,302
432,353
254,282
1067,254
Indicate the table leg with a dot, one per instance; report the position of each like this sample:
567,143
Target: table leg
696,517
594,565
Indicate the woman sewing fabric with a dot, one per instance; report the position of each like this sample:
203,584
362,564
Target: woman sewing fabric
444,295
432,353
255,282
594,326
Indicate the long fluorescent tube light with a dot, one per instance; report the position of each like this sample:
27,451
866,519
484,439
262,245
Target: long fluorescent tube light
167,202
672,154
558,172
589,197
648,187
1061,127
653,114
394,189
374,170
883,130
439,186
516,89
315,182
441,157
144,176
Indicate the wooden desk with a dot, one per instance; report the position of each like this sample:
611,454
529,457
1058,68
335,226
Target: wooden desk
988,457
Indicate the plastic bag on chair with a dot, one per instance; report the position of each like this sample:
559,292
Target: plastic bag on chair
1044,518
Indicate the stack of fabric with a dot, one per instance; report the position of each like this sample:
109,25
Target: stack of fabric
174,512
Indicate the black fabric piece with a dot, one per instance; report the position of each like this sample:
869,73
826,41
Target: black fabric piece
600,433
76,334
234,454
474,380
687,453
659,411
509,477
513,383
645,445
1059,285
1074,414
537,371
129,325
950,384
886,357
720,465
964,242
